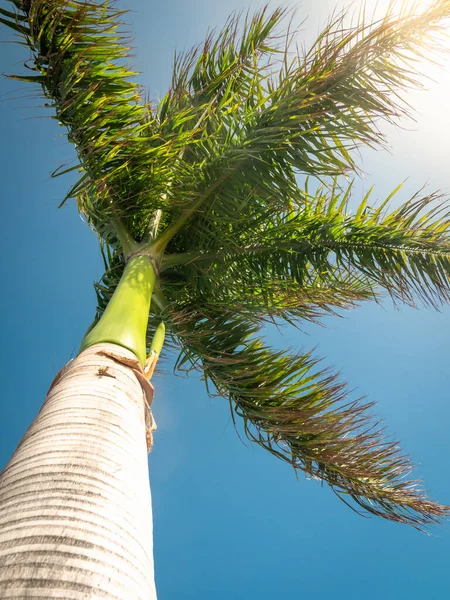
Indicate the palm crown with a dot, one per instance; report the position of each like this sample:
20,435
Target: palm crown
208,183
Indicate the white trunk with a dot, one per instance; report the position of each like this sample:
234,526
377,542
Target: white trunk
75,505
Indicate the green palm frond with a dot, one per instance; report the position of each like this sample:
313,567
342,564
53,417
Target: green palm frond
300,226
405,251
303,415
227,66
283,300
318,245
244,286
81,60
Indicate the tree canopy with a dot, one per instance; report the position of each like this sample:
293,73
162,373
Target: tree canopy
238,183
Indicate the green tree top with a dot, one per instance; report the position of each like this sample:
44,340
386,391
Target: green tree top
210,184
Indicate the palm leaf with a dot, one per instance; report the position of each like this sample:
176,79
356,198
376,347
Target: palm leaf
404,251
303,415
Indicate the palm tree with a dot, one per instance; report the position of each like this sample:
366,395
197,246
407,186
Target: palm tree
226,206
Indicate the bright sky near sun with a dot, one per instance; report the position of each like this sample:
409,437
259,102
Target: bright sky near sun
231,522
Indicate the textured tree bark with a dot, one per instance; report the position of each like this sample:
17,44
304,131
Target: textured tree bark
75,505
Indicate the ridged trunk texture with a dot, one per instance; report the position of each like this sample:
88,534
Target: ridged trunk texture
75,505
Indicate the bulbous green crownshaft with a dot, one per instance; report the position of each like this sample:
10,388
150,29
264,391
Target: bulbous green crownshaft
125,319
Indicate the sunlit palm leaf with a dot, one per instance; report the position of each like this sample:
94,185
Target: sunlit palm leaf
404,251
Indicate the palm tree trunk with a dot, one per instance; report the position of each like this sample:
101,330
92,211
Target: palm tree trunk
75,505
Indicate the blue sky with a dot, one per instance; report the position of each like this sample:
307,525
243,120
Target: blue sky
231,521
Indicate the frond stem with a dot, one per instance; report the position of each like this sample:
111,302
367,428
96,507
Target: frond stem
184,258
129,245
154,224
161,243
